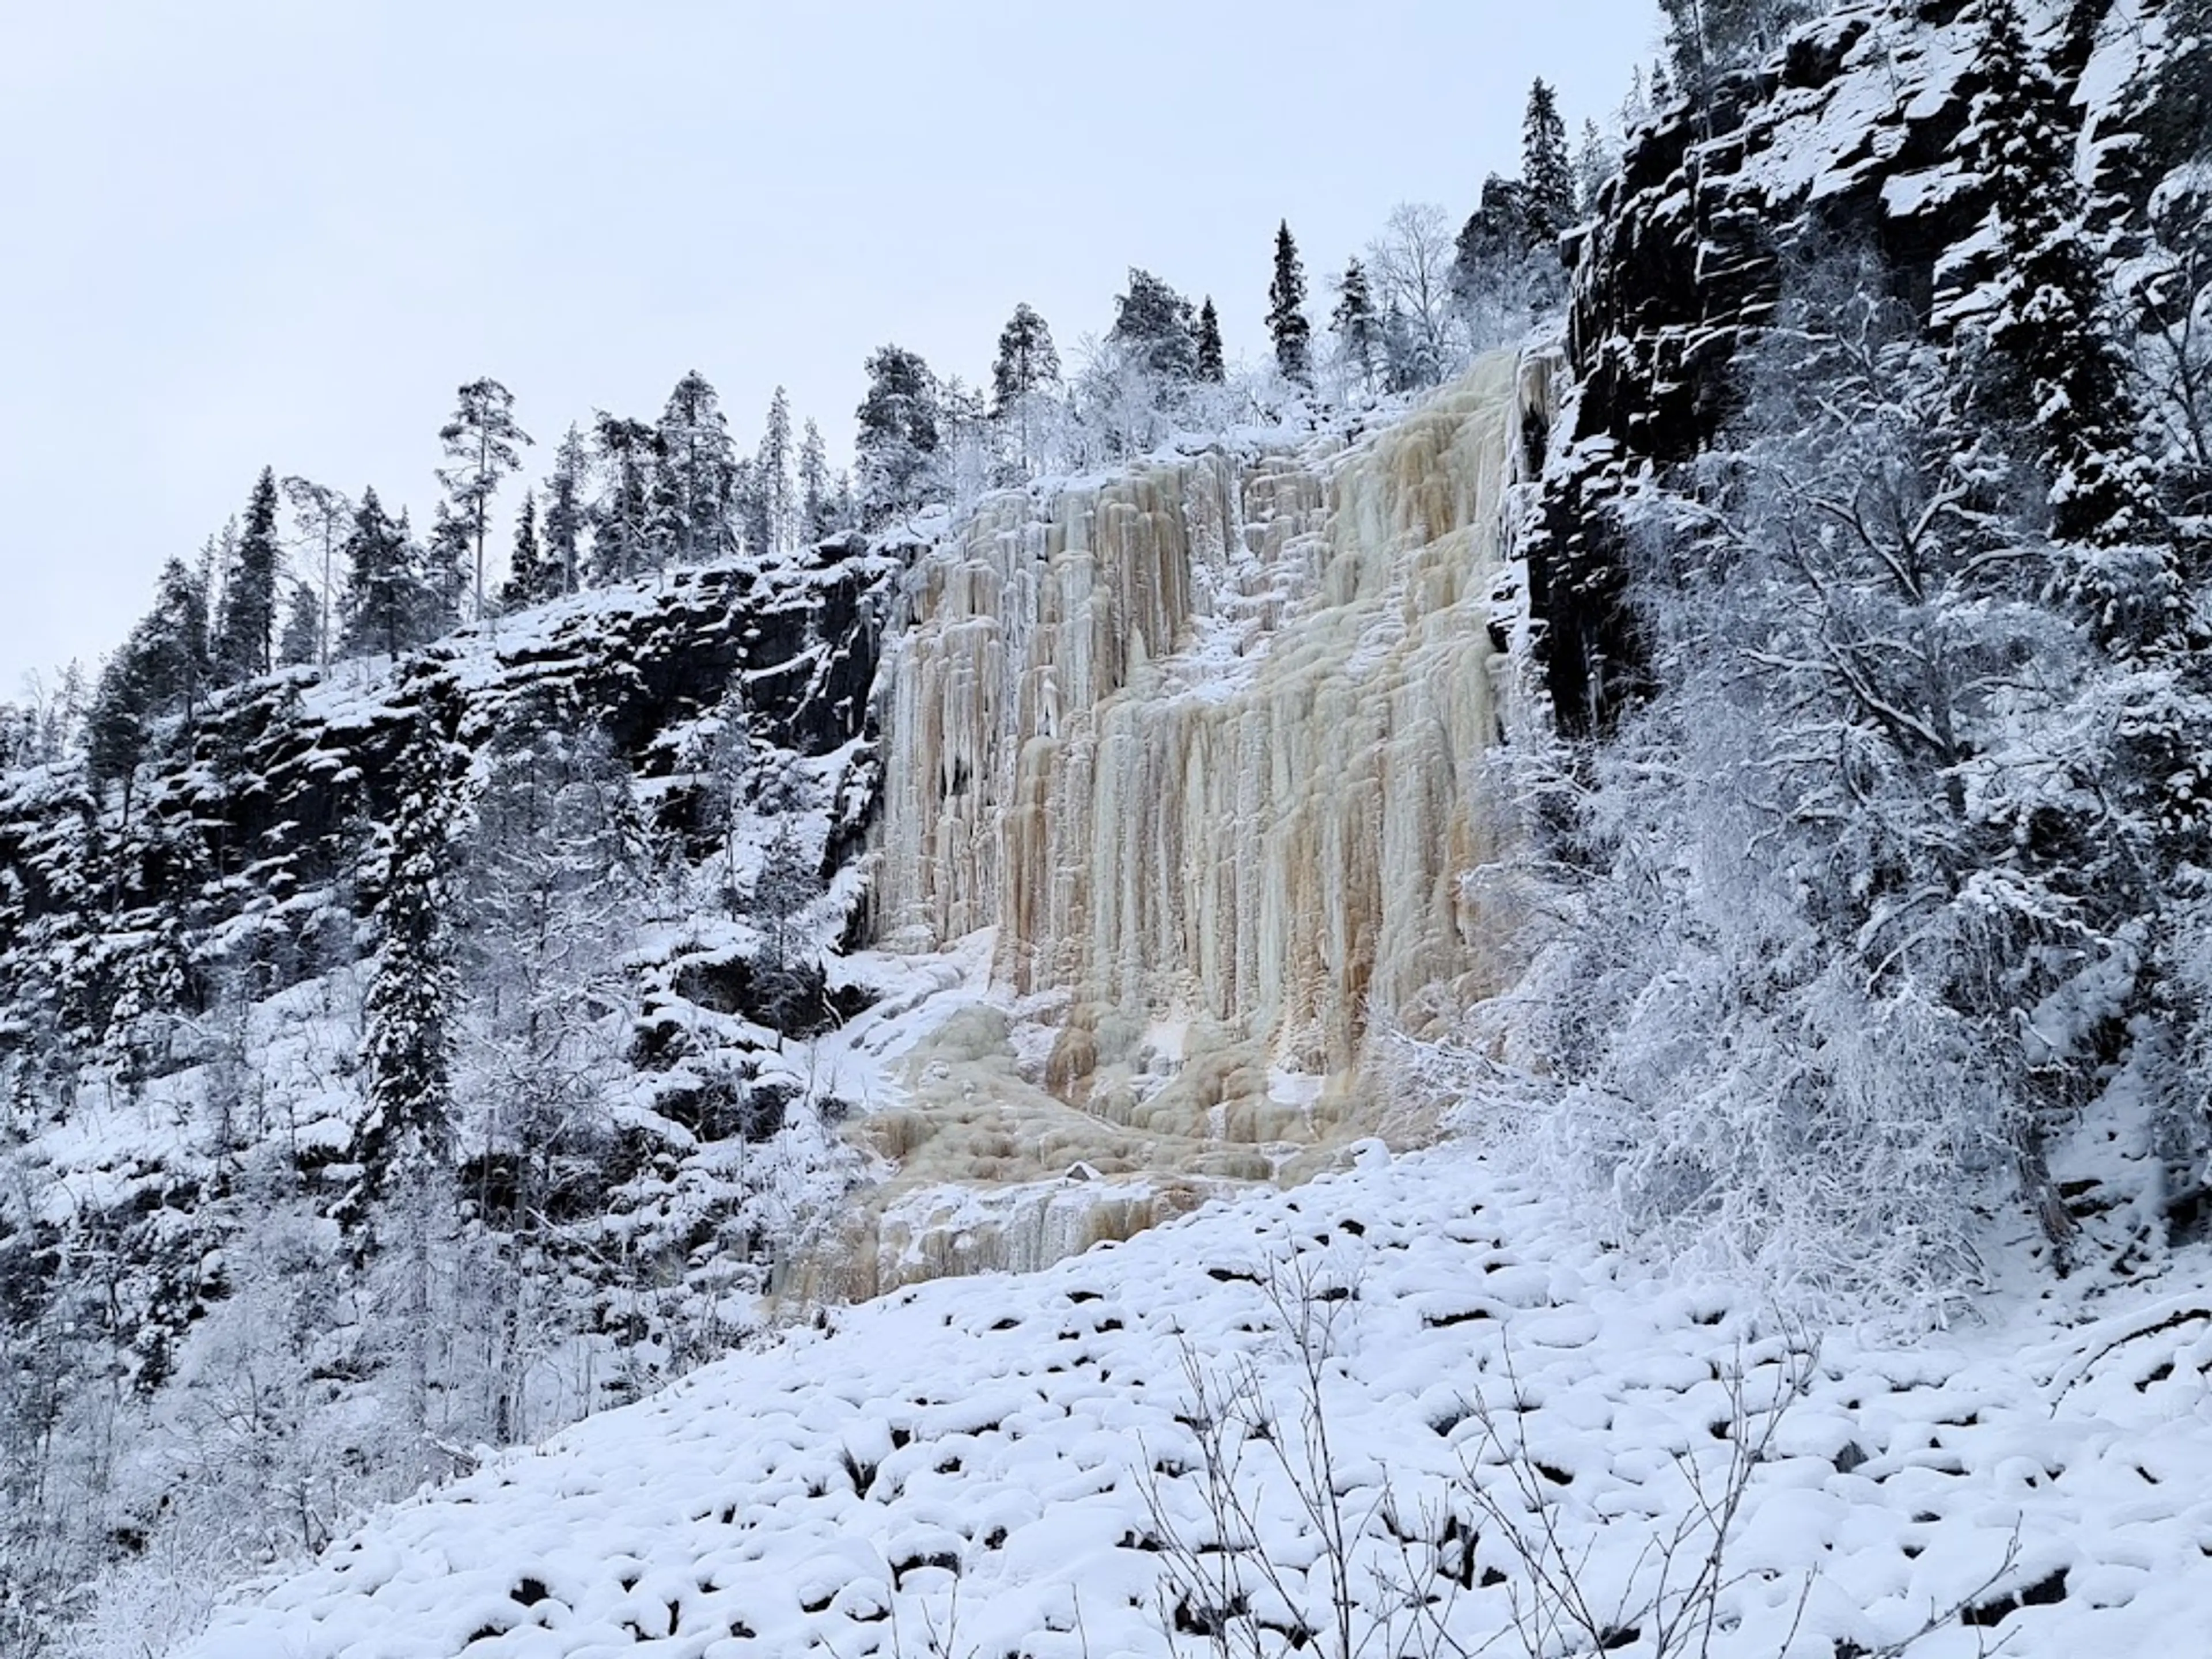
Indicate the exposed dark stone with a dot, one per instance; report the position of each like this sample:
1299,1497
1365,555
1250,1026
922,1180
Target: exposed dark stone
1683,262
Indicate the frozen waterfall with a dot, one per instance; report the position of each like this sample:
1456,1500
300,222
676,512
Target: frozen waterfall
1201,745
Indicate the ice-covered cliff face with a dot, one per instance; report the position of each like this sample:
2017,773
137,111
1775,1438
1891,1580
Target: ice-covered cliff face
1204,744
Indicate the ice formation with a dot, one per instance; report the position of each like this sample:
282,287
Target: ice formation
1203,743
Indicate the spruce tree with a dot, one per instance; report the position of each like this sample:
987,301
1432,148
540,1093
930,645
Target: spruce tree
1286,314
171,645
2177,123
1594,165
481,442
1503,268
116,726
693,475
1707,38
407,1042
249,589
566,512
1211,369
2051,360
384,596
787,976
772,478
1359,332
530,576
303,642
1548,175
444,562
748,505
628,537
816,489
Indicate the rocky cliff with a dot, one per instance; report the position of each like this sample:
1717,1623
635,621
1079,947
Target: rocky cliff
1852,135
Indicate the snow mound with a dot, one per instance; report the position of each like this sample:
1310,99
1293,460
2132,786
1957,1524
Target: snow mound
1015,1466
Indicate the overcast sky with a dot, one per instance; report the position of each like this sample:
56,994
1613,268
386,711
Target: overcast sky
235,233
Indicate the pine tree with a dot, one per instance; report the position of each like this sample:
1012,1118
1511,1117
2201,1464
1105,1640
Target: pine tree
1286,314
772,478
249,589
481,442
2054,361
321,516
897,447
566,512
1026,369
816,489
1548,175
694,474
1359,332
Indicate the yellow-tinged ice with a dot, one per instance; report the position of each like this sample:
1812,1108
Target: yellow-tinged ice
1204,744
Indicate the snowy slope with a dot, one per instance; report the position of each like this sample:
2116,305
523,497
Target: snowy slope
1008,1465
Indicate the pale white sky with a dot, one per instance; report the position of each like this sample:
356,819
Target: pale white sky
249,232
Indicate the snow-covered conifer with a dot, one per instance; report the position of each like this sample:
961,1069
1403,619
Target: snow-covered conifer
1358,331
407,1044
1211,370
1286,316
1156,327
897,446
1547,173
385,597
302,643
627,536
567,511
248,618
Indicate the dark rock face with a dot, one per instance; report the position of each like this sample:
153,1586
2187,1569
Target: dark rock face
275,792
1851,134
238,876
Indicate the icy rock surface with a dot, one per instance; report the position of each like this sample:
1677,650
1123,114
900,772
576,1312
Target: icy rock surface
1000,1460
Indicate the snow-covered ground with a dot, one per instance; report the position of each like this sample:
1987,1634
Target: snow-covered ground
1015,1465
